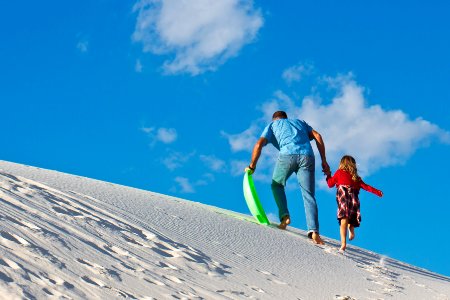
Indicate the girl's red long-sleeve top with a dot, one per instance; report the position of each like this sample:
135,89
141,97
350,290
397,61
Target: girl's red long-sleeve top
342,177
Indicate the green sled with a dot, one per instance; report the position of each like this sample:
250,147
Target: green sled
253,203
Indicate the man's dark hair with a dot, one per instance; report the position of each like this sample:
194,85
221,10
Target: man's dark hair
279,115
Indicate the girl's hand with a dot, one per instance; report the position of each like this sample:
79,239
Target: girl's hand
325,167
379,193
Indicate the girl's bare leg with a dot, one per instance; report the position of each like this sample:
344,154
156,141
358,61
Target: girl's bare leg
344,225
351,230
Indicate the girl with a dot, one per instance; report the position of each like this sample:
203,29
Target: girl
348,183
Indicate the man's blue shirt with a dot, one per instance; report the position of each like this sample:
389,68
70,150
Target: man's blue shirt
289,136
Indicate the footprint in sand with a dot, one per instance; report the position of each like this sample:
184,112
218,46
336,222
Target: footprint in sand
256,289
117,250
333,251
240,255
375,281
59,281
167,266
339,297
94,281
169,251
11,237
68,212
98,269
265,273
97,282
5,278
132,241
187,295
24,224
166,252
438,295
55,293
10,264
155,282
43,279
274,280
173,278
125,295
233,294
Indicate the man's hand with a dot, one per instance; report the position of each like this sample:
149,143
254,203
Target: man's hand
326,168
250,170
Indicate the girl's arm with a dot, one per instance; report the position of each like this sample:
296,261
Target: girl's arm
371,189
332,181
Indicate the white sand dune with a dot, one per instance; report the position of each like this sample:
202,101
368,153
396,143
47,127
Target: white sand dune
68,237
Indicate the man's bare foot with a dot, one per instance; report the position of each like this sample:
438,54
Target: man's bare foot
284,222
316,239
351,231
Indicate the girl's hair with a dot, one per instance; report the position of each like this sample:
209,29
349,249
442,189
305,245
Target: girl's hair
348,164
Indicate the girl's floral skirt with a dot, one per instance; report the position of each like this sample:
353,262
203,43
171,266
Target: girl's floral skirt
348,205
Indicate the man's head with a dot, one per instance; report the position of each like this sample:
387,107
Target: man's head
279,115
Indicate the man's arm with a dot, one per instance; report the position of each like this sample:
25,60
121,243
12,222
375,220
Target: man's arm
321,147
256,153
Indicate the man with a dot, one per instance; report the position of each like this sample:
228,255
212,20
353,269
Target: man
292,138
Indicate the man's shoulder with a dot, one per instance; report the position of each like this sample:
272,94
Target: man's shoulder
268,126
296,121
299,122
267,130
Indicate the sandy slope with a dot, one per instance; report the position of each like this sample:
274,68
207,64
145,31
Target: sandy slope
68,237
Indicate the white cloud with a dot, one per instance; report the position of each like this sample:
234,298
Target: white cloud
375,136
213,162
296,73
206,179
167,135
138,66
164,135
83,46
238,166
176,160
244,140
148,129
200,35
185,185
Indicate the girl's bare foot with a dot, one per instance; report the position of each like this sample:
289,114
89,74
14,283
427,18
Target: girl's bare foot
285,221
351,231
342,249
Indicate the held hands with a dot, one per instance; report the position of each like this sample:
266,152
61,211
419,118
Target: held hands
326,169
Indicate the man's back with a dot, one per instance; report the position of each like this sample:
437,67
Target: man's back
290,136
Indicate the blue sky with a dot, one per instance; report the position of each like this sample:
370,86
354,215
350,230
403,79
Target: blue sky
170,98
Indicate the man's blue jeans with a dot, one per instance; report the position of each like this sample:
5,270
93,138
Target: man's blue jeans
303,166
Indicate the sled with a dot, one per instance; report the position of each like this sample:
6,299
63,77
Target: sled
253,203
